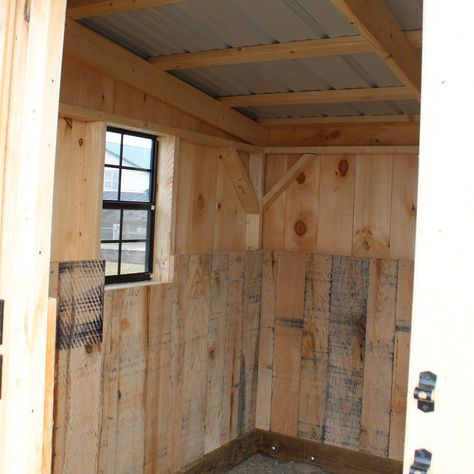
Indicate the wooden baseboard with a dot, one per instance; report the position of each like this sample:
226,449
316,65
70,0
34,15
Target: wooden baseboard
287,448
335,460
226,457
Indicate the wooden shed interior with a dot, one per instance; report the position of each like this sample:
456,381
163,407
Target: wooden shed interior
278,314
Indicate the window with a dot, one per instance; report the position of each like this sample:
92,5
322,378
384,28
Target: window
128,206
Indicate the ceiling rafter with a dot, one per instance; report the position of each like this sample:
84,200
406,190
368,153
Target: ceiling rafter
77,9
92,49
273,52
319,97
375,22
346,119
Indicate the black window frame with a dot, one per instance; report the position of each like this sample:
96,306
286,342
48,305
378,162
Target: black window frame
133,205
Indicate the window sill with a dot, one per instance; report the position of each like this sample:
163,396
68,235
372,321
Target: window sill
134,284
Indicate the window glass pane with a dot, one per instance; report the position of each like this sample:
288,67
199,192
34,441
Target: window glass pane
135,225
112,148
133,258
109,253
110,224
111,183
135,186
137,152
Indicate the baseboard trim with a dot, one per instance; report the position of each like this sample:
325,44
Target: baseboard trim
335,460
288,448
226,457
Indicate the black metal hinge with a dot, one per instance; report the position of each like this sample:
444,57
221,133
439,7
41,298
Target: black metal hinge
422,462
424,392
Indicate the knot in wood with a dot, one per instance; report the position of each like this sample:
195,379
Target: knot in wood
343,167
301,178
300,228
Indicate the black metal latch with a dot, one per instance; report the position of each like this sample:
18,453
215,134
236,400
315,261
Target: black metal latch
424,392
422,462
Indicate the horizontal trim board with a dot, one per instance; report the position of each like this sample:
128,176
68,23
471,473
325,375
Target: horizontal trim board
351,119
273,52
91,115
334,459
319,97
341,150
77,9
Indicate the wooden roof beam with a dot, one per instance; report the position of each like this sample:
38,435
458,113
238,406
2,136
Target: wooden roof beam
375,22
319,97
77,9
90,48
345,119
273,52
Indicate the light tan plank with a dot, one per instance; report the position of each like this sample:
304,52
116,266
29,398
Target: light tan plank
216,351
403,219
373,195
289,308
266,342
302,209
336,204
315,350
378,366
77,9
318,97
401,360
274,217
166,204
355,119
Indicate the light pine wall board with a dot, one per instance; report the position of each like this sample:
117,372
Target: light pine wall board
315,350
403,218
302,209
372,205
379,356
289,308
77,203
216,350
336,204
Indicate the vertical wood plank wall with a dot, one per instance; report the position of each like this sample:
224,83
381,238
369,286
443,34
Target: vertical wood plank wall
334,350
352,205
305,340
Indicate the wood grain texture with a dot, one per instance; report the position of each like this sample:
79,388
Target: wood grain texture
77,205
379,356
403,218
336,204
315,349
372,204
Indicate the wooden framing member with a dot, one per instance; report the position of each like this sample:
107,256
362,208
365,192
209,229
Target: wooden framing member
96,51
78,9
165,222
240,180
32,42
349,119
253,230
379,27
315,48
284,182
319,97
342,150
91,115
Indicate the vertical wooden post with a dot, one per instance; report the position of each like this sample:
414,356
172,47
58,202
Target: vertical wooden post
254,221
32,39
443,311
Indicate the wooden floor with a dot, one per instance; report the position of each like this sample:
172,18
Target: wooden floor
262,464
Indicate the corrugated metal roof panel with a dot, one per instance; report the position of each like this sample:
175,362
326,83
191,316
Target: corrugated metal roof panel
337,72
197,25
